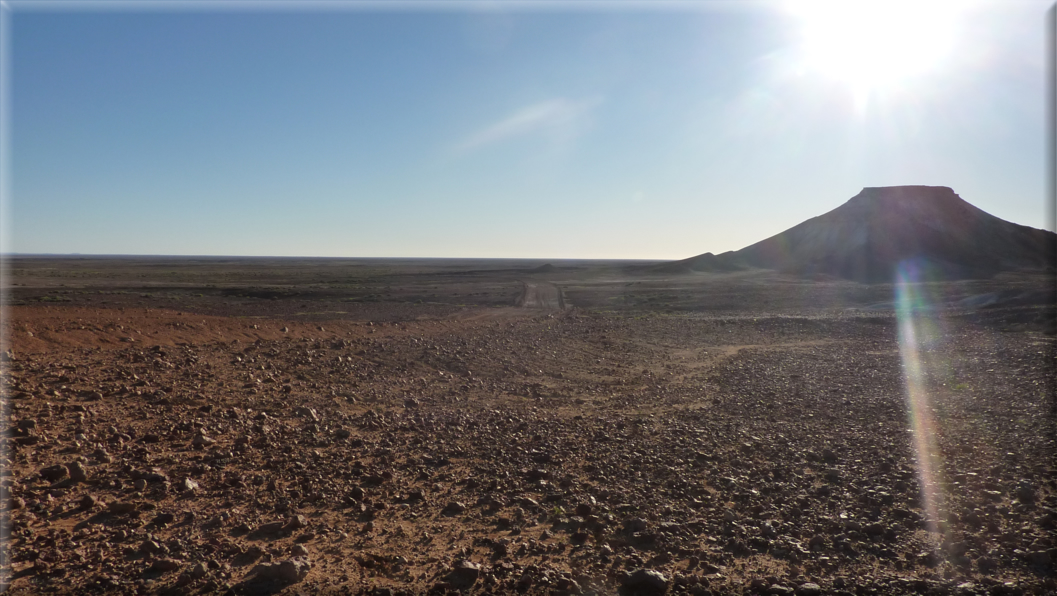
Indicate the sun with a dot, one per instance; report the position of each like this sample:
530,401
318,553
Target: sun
874,46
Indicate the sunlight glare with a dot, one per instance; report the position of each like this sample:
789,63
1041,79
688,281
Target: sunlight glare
874,46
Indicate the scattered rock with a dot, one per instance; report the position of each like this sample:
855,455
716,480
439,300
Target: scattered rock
645,582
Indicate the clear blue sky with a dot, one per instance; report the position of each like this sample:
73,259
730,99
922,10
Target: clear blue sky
491,131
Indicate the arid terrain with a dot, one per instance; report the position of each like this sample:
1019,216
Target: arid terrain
342,426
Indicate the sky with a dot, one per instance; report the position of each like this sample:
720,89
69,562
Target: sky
504,130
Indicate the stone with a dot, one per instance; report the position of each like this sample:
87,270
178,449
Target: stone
453,508
287,572
635,524
293,570
295,523
88,502
808,589
270,528
164,565
463,575
77,472
646,582
201,440
189,485
54,473
163,519
121,507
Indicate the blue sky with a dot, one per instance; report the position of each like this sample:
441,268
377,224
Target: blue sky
484,130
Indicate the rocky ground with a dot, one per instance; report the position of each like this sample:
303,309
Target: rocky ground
584,451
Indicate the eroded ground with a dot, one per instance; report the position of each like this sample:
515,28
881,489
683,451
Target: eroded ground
254,443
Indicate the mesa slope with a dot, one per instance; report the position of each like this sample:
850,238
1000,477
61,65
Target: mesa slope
870,236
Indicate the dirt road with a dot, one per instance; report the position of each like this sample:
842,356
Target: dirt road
541,295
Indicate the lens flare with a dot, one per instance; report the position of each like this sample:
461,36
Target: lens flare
919,330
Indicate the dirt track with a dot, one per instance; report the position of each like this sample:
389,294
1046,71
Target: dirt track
541,295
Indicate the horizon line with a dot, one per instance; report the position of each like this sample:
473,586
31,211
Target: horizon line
419,258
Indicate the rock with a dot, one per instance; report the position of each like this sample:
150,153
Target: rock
163,519
27,424
295,523
121,507
463,575
293,570
199,571
808,589
635,524
270,528
306,412
987,564
299,550
88,502
150,547
189,485
54,473
165,565
453,508
77,472
201,440
1025,492
645,582
287,572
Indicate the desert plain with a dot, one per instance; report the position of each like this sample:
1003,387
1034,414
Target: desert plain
381,426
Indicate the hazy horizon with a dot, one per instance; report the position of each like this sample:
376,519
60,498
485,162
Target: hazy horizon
490,131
